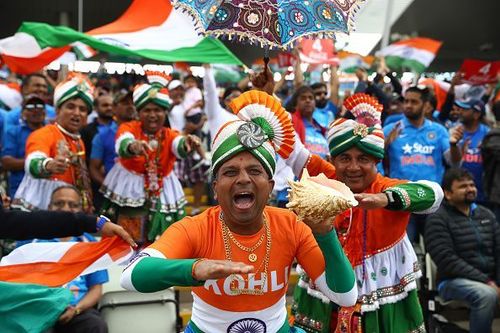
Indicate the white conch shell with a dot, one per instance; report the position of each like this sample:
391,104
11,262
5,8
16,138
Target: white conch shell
317,199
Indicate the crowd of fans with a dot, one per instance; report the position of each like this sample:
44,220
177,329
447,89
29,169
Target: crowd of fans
455,142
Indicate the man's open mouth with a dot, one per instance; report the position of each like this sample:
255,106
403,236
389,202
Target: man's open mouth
243,200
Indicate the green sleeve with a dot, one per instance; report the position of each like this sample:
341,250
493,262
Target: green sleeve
36,168
340,276
414,196
123,149
181,148
155,274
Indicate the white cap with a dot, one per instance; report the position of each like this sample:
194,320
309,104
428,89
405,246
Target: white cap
174,84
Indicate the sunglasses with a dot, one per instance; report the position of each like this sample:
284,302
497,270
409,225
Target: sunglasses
34,106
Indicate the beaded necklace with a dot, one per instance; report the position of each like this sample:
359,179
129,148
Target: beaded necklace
153,177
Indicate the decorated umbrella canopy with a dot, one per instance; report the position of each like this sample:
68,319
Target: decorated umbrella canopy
271,23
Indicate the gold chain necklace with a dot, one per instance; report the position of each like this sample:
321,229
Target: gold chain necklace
252,257
234,282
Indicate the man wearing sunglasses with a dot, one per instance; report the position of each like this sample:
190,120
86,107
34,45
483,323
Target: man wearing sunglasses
14,142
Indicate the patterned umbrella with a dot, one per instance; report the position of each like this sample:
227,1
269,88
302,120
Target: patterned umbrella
271,23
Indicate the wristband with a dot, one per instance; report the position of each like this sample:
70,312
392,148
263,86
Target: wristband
77,311
101,221
194,266
44,165
392,204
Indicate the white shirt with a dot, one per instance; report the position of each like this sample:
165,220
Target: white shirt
176,117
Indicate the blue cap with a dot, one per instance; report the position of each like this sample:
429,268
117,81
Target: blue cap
474,104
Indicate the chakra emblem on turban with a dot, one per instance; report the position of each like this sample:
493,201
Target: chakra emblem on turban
152,93
81,87
360,130
251,135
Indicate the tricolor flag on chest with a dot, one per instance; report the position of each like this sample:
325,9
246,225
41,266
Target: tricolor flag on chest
55,264
414,54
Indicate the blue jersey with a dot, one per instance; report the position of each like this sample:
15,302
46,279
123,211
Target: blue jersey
13,117
315,140
418,153
14,144
103,146
324,116
472,159
393,118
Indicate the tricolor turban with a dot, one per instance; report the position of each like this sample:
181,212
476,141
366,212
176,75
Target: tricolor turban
264,130
154,92
365,132
75,86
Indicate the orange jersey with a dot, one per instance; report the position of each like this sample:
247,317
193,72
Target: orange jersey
52,142
166,156
201,237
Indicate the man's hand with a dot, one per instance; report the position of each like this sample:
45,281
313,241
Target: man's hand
382,68
264,81
457,79
371,201
219,269
456,134
493,285
57,165
110,229
67,315
393,135
192,143
139,147
5,200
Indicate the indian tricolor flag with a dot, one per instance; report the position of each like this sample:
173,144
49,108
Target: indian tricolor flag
349,62
150,29
414,54
55,264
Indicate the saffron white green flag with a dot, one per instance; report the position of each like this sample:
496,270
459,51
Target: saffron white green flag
150,29
414,54
349,62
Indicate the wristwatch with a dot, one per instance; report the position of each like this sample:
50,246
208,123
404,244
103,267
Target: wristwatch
77,311
101,221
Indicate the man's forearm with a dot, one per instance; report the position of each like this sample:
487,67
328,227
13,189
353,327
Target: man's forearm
150,274
43,224
12,164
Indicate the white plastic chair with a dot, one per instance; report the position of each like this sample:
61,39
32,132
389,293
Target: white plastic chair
131,312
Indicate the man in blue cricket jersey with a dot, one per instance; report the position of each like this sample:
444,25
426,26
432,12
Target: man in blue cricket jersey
471,115
33,84
326,106
417,148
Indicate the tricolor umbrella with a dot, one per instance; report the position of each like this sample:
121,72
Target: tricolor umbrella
271,23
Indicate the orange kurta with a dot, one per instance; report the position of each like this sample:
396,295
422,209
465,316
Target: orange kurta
52,142
166,155
384,227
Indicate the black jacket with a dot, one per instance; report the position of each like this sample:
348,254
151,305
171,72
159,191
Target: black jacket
42,224
88,133
490,149
462,246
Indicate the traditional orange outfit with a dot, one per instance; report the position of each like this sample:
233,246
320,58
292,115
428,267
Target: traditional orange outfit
146,182
37,185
